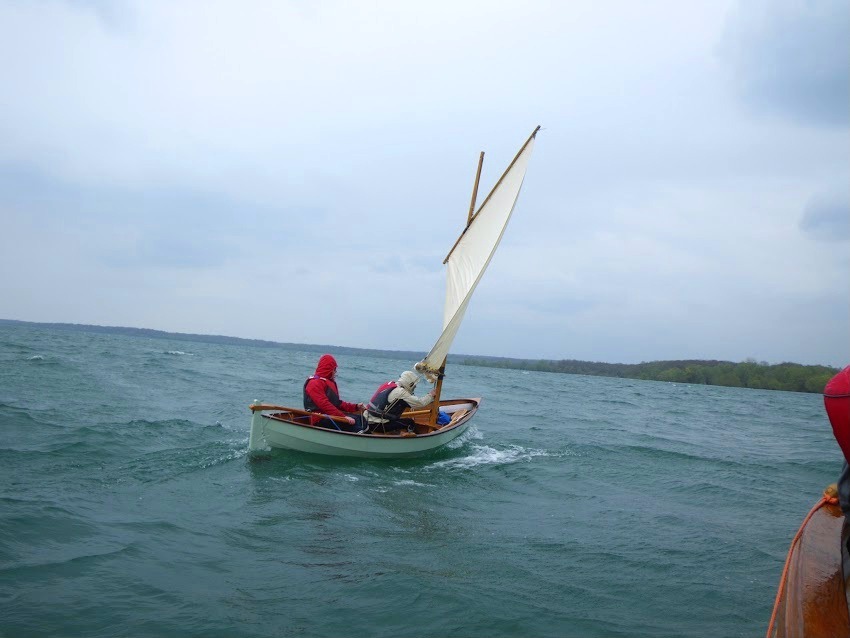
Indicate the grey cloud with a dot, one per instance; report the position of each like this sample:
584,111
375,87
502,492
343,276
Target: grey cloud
181,158
179,250
385,265
827,217
165,227
113,15
789,57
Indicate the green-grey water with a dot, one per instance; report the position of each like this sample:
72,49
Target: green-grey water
575,506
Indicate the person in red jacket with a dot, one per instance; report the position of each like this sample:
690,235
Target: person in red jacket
836,400
321,395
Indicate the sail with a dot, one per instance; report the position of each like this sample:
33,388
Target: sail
472,253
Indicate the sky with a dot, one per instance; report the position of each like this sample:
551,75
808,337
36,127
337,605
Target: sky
296,171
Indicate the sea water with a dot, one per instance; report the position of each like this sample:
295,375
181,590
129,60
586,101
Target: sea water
574,506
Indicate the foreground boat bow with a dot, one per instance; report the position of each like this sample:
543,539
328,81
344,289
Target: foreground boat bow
811,600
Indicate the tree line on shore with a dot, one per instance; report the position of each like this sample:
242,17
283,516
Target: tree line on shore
792,377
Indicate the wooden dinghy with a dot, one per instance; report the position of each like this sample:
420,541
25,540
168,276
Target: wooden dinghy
289,428
275,426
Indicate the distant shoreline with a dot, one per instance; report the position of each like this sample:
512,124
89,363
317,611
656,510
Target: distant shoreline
240,341
792,377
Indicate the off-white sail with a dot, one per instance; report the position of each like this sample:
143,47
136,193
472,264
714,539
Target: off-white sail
470,257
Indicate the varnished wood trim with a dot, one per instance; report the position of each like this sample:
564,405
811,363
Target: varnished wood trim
262,407
475,189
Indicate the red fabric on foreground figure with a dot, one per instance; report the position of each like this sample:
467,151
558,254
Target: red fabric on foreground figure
321,393
836,400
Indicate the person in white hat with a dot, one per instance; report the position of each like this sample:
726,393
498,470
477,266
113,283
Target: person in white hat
383,413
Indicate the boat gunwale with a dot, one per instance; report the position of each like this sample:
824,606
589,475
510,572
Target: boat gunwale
476,401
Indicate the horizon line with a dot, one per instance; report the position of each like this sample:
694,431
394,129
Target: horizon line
268,342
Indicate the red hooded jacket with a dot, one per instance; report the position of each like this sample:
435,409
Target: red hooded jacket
322,390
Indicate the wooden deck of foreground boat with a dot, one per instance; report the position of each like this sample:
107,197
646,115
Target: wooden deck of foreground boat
814,603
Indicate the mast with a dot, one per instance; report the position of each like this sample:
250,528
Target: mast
435,407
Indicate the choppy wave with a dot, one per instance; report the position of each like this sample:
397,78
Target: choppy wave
486,455
238,450
620,402
172,461
76,563
695,456
43,360
128,500
28,423
411,482
472,434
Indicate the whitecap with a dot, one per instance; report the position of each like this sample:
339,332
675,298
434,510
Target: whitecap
259,452
409,482
231,456
473,433
485,455
179,353
36,357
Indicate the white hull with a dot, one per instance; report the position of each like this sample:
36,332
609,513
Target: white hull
267,431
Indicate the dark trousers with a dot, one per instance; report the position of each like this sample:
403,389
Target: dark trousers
345,427
844,501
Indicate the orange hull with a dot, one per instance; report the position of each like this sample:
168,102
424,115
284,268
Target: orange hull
813,603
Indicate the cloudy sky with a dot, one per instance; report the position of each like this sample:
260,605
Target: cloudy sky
296,171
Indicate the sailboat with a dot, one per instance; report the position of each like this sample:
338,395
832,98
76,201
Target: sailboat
275,426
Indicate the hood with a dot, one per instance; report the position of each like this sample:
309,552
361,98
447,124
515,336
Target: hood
839,385
326,367
408,380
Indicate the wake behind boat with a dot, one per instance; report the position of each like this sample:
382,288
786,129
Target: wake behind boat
290,428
